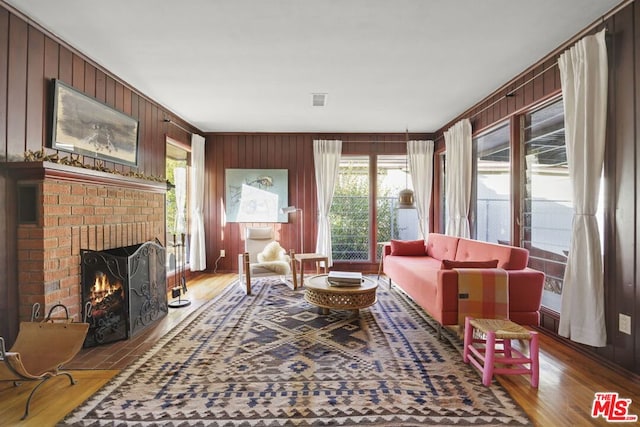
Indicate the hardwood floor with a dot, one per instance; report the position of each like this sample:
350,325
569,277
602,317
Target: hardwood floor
568,379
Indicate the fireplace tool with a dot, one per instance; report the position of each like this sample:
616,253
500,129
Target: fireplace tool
180,275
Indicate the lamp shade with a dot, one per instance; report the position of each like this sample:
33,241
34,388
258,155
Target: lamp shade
288,209
405,199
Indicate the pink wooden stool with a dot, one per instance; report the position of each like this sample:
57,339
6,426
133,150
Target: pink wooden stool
486,356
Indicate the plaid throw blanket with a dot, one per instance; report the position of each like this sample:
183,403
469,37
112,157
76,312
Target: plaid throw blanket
483,293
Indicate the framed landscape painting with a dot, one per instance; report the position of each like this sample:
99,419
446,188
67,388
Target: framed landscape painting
256,195
86,126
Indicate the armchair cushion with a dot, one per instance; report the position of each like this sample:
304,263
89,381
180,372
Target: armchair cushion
272,252
274,258
278,267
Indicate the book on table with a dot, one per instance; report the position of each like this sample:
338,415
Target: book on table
344,278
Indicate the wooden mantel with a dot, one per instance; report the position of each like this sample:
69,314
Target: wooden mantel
23,171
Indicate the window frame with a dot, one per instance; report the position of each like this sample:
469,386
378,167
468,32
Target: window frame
374,249
170,243
473,203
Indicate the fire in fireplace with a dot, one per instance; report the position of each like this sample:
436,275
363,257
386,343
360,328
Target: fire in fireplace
123,290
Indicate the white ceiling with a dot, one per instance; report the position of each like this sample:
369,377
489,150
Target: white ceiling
252,65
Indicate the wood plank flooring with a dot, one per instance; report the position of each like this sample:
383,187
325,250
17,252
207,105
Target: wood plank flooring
568,379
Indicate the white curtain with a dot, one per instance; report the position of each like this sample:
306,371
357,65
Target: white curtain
458,178
326,158
197,248
583,75
420,155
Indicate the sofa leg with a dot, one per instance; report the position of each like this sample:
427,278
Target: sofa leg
390,284
439,332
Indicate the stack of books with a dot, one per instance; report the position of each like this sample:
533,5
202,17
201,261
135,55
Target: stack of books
344,278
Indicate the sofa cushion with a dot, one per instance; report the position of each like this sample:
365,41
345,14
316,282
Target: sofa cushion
440,246
448,264
509,257
408,247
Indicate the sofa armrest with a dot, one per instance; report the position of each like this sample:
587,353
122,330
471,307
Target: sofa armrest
448,289
525,293
386,250
525,289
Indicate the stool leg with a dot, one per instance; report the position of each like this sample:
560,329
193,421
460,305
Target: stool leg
489,358
506,345
468,338
535,361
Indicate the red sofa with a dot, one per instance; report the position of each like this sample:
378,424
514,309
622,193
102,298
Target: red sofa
422,276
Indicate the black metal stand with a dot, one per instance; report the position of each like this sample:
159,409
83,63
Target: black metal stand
180,276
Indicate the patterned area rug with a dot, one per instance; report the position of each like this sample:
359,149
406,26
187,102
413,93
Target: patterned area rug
271,360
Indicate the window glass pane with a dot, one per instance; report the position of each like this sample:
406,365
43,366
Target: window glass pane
393,223
492,186
350,211
177,206
548,207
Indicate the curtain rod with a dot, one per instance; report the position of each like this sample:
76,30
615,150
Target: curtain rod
178,125
510,93
384,142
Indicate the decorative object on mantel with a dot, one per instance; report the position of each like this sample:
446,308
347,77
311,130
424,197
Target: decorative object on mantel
74,160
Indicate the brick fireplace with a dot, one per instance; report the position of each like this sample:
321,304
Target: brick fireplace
63,210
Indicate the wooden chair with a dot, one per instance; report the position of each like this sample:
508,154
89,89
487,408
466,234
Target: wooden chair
41,349
249,266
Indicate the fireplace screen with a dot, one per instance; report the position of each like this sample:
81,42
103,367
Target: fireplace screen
125,289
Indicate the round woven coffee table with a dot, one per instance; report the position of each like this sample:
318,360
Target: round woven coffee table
319,292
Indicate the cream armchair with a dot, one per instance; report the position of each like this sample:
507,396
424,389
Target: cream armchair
263,256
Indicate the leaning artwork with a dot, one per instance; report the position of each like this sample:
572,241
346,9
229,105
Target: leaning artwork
83,125
256,195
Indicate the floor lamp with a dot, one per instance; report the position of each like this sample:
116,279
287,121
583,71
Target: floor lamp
291,209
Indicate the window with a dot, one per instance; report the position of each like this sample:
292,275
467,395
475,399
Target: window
491,191
177,220
393,176
548,208
350,210
352,236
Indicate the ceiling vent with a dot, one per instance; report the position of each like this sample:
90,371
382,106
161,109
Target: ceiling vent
319,99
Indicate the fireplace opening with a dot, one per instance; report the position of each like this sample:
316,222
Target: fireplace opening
123,291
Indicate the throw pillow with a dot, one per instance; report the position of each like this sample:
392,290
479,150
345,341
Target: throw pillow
272,252
448,264
408,247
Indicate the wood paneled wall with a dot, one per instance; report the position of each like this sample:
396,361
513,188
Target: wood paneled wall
622,160
293,152
29,59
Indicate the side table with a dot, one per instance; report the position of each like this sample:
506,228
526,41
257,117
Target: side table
300,259
319,292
